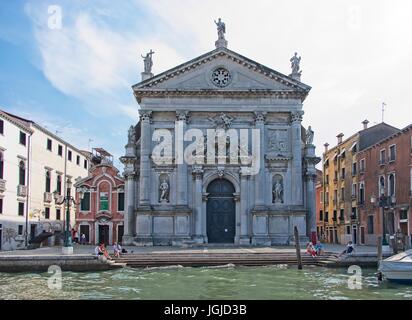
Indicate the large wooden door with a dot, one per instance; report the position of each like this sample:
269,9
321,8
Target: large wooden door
104,234
221,212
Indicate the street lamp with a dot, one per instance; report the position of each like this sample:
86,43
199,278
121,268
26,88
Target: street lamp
67,200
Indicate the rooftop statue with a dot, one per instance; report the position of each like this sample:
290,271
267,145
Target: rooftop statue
221,29
148,62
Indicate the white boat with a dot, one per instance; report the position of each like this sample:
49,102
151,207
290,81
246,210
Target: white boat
397,268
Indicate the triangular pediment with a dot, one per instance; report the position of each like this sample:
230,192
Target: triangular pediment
221,70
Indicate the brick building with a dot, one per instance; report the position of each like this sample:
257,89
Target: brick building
319,205
100,214
342,189
387,177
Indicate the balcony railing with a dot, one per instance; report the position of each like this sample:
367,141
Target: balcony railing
21,191
2,185
48,197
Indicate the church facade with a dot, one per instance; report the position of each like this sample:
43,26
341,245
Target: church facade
219,154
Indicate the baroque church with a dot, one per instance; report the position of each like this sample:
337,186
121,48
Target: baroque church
208,198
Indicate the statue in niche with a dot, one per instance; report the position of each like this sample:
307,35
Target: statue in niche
164,190
278,190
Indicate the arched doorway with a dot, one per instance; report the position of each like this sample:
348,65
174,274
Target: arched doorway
221,212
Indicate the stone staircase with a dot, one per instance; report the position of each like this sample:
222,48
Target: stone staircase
197,259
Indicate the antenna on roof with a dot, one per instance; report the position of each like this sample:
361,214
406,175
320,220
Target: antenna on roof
383,110
90,141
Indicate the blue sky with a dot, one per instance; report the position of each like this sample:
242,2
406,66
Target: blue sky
76,79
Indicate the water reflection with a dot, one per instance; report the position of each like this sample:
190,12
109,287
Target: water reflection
229,282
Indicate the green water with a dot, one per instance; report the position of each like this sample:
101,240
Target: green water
271,282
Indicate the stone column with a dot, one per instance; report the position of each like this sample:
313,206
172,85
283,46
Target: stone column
297,171
260,177
145,144
198,201
244,219
311,161
181,199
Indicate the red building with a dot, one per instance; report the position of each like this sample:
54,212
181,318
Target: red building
100,214
385,187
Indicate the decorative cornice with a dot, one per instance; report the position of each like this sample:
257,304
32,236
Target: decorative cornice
251,93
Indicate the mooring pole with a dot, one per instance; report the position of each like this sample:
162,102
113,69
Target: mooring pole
379,249
297,244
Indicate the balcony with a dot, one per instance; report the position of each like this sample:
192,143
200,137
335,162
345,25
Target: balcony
382,162
48,197
2,185
21,191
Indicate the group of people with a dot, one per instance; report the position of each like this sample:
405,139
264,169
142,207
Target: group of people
75,238
317,250
101,250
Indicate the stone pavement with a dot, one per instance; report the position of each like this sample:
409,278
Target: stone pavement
85,250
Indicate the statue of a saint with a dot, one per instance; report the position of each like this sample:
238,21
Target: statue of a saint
164,191
309,135
148,62
132,135
278,192
221,29
295,60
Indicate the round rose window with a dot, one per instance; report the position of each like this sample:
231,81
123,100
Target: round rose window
221,77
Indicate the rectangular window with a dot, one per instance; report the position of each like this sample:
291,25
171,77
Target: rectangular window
22,138
320,215
370,224
47,213
342,214
1,127
120,205
326,216
78,160
353,213
335,215
1,205
361,193
382,156
20,231
327,198
392,153
104,201
347,229
354,169
327,179
362,165
85,164
354,189
321,197
21,208
49,145
58,214
342,194
69,156
85,203
60,150
335,195
343,173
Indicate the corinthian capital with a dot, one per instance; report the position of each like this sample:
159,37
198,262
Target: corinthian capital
197,172
145,116
182,115
260,117
297,116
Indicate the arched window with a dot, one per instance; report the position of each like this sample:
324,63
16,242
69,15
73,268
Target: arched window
22,173
48,181
59,185
1,165
391,185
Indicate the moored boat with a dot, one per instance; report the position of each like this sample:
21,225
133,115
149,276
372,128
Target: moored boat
397,268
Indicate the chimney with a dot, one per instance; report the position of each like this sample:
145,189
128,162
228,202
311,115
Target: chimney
365,124
326,147
340,137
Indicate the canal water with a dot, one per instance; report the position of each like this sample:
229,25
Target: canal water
270,282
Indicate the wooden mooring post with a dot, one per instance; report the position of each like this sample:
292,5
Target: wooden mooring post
379,249
297,244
